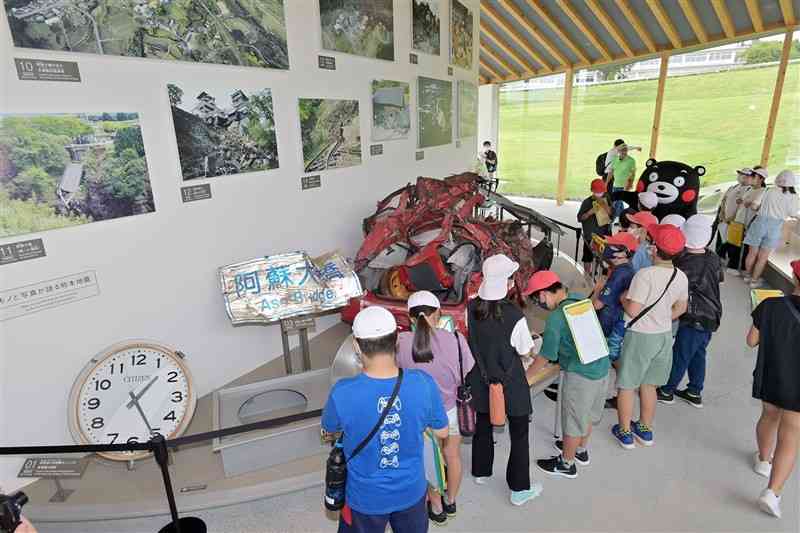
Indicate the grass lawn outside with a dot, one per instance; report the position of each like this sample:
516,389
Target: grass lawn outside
717,120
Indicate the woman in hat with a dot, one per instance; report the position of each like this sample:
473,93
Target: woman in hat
499,336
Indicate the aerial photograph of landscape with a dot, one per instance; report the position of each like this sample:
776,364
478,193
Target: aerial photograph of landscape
250,33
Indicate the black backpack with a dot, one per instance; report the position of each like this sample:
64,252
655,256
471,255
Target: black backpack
600,165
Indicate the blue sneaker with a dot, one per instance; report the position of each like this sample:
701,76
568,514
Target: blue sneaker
643,433
624,438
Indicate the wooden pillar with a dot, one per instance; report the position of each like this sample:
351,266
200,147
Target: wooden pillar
776,99
566,110
662,83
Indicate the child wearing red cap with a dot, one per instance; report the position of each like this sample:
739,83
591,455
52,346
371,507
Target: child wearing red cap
776,332
595,218
657,296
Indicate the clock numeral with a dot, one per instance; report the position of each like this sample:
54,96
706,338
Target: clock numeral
102,385
158,363
113,366
170,416
173,377
177,397
139,360
98,423
114,437
133,440
93,403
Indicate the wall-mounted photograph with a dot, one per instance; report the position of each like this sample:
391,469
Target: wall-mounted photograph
60,170
467,109
248,33
435,108
331,133
360,27
426,26
222,131
391,110
461,35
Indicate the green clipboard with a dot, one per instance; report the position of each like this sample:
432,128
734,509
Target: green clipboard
586,331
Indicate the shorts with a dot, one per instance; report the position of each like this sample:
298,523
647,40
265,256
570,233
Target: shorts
765,232
582,404
614,341
410,520
452,422
646,359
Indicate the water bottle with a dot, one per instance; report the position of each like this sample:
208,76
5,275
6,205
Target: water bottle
335,478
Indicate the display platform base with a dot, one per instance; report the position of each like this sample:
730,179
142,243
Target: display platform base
188,525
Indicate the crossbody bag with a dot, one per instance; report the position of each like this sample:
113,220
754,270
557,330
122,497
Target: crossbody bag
649,308
464,408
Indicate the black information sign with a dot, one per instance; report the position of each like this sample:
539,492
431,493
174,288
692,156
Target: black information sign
291,325
193,193
449,71
311,182
420,155
376,149
21,251
413,59
46,70
327,62
54,467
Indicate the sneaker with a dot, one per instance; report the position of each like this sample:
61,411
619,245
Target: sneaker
521,497
665,397
555,466
582,458
695,400
756,284
439,519
770,503
449,508
747,278
624,438
481,480
733,272
611,403
643,433
762,468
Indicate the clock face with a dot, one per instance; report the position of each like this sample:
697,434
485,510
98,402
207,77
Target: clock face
130,392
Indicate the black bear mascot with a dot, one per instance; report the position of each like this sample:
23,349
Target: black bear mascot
677,186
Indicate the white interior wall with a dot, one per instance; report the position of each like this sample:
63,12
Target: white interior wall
158,272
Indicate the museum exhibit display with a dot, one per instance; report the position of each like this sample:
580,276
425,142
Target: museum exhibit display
391,110
434,112
67,169
223,131
462,35
361,27
426,26
467,109
331,133
232,32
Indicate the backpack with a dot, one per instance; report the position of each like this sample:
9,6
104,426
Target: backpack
600,165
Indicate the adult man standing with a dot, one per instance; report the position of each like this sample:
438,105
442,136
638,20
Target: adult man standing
386,480
620,167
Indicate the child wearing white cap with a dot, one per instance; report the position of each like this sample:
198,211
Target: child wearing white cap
499,336
764,235
386,480
728,208
448,359
703,268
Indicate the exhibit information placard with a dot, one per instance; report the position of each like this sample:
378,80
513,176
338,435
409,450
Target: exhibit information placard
47,70
376,149
54,467
327,63
413,59
291,325
193,193
311,182
21,251
48,294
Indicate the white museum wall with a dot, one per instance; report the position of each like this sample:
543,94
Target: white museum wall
158,272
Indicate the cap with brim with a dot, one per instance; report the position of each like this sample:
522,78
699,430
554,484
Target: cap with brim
746,171
423,298
697,231
623,238
785,178
496,271
761,172
648,199
539,281
796,267
598,186
667,238
373,322
643,218
676,220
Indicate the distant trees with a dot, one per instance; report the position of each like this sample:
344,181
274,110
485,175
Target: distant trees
769,51
175,95
129,138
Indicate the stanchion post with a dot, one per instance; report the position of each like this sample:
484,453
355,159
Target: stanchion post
178,525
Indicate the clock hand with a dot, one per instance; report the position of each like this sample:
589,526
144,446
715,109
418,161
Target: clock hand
135,401
138,397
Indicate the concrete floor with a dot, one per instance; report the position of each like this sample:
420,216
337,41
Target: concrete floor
697,477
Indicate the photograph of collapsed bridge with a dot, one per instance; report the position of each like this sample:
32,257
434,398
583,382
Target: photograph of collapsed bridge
331,133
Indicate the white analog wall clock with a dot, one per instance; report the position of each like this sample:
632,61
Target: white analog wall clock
127,393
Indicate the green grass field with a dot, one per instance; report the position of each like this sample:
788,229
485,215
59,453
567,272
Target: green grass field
717,120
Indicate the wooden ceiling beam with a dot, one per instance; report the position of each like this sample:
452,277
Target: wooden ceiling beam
694,20
556,27
484,80
497,58
519,15
788,13
498,41
724,17
755,14
665,22
491,70
606,20
636,22
516,36
576,19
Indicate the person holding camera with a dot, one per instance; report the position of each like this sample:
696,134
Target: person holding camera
383,413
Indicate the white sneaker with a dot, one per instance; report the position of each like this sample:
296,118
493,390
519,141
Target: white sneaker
521,497
733,272
481,480
770,503
762,468
747,278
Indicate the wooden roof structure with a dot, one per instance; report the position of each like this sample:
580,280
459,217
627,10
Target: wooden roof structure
522,39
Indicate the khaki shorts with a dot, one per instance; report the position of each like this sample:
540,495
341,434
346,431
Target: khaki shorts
452,419
646,359
582,404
